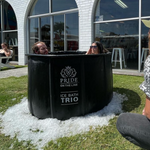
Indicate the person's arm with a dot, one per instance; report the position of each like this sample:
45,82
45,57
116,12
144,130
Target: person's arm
89,51
149,41
147,108
7,53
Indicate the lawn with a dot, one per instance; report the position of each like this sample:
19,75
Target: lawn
16,66
101,138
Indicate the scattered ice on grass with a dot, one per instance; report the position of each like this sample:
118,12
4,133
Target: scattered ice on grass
13,99
18,121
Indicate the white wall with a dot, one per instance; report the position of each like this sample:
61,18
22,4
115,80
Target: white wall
85,23
21,9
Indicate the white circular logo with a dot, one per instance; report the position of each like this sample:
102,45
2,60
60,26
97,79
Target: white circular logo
68,72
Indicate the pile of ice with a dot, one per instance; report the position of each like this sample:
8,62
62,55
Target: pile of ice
17,121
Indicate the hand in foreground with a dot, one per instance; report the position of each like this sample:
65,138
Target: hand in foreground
89,51
143,112
149,34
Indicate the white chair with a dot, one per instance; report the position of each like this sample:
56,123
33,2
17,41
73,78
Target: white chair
145,52
7,61
120,52
14,41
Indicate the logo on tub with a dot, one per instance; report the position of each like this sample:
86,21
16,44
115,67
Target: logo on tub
68,72
69,78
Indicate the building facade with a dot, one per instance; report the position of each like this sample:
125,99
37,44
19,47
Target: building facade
75,24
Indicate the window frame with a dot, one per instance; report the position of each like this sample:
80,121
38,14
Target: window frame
139,18
51,15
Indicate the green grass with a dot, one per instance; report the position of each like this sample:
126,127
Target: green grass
101,138
16,66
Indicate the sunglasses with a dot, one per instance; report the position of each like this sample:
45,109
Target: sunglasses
93,46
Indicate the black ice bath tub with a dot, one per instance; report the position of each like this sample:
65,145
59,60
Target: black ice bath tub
67,84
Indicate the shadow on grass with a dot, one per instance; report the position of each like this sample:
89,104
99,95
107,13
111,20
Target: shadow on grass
133,101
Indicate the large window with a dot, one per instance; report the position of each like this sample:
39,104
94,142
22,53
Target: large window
45,30
72,31
145,8
116,9
8,27
60,5
59,33
34,27
56,24
117,26
40,7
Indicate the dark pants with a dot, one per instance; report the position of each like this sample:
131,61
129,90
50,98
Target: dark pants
3,55
135,128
